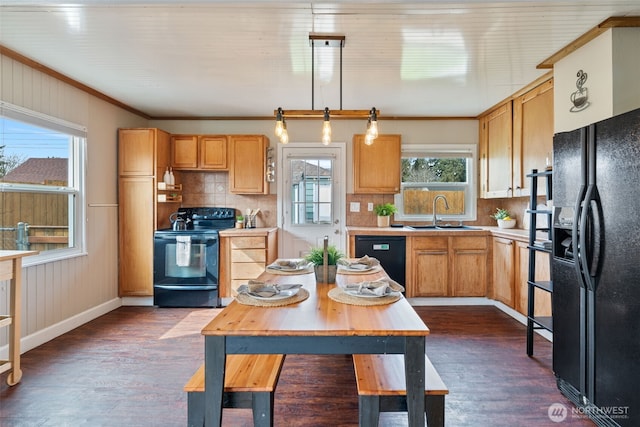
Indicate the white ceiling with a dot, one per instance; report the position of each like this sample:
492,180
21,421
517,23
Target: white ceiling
213,59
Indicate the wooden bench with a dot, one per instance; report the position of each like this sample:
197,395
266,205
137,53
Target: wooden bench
381,388
250,382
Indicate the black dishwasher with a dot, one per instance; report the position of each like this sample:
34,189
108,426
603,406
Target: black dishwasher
389,250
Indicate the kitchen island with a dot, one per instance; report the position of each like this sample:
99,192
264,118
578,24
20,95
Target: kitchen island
316,325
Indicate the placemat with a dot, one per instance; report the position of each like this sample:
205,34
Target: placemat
344,270
337,294
245,299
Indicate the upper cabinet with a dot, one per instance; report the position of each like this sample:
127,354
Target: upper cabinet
515,137
496,136
376,167
199,152
142,152
247,164
532,135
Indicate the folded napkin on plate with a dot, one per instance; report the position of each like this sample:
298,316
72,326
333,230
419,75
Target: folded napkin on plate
264,290
359,263
378,287
289,264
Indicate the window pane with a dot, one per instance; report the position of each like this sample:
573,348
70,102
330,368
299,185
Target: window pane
38,197
311,191
428,169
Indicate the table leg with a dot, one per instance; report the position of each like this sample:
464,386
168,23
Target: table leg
15,304
414,376
214,367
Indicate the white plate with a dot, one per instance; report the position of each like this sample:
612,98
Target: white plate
355,293
366,268
284,294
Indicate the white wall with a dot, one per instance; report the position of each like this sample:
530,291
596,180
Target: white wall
59,296
611,61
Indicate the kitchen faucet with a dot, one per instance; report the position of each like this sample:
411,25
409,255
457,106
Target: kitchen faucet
435,201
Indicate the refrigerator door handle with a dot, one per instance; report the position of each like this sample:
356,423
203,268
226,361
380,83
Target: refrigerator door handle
590,250
576,235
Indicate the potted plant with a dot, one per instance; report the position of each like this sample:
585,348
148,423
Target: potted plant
316,257
240,221
384,212
504,218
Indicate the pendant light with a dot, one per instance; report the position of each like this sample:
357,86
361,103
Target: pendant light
326,40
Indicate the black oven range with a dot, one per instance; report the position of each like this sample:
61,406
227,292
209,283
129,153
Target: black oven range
186,261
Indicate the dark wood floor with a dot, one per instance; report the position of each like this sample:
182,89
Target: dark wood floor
127,368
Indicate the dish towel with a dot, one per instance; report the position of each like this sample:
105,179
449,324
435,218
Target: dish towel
183,250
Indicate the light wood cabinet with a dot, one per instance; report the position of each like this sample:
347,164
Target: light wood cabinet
430,260
504,270
143,156
247,157
376,167
448,266
515,137
199,152
496,136
469,266
542,298
244,256
532,135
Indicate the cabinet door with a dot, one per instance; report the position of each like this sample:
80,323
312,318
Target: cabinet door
468,266
213,152
542,297
532,135
497,129
376,167
136,152
430,266
136,227
184,151
503,270
247,171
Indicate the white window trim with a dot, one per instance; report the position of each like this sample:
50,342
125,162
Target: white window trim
426,150
76,216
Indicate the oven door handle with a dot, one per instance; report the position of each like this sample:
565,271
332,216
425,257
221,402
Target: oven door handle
187,287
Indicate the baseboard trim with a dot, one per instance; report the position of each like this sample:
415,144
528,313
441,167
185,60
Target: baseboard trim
137,301
42,336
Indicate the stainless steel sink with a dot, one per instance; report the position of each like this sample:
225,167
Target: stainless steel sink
443,227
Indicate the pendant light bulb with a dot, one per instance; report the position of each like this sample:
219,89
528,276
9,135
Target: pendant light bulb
368,139
284,136
373,128
326,128
279,123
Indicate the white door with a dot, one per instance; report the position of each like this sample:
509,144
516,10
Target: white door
311,197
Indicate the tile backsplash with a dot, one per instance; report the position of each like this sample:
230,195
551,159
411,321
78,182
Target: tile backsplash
212,189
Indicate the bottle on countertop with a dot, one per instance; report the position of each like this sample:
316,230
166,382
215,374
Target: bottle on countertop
166,178
172,178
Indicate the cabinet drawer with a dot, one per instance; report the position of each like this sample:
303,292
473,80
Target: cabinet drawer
430,243
248,255
246,270
469,243
252,242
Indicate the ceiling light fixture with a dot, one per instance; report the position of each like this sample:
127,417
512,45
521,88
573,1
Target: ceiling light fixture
326,40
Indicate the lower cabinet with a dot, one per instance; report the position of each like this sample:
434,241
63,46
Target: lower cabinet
445,266
542,298
504,270
511,272
244,256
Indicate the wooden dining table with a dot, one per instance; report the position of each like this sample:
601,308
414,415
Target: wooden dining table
317,325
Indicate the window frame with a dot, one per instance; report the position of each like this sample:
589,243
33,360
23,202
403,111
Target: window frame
469,151
76,189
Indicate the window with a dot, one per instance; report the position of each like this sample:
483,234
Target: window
41,184
429,171
311,191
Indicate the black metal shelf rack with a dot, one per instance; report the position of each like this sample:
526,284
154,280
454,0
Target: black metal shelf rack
538,322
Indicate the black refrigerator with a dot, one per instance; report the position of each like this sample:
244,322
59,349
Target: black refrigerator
596,269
